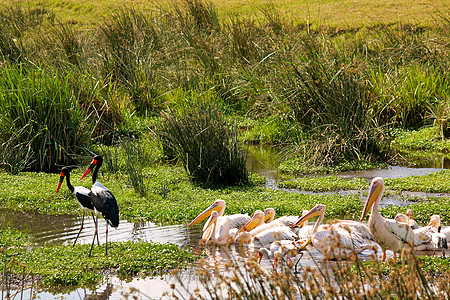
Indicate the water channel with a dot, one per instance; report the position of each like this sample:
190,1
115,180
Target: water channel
62,229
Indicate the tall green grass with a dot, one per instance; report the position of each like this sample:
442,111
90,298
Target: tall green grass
207,147
41,118
340,88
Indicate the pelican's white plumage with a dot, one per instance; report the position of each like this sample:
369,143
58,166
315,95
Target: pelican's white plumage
335,240
230,222
435,221
388,233
218,230
277,226
422,235
266,237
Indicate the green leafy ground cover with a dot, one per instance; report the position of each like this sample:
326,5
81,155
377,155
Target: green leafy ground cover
70,266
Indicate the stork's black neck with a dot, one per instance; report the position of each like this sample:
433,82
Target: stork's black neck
69,185
97,167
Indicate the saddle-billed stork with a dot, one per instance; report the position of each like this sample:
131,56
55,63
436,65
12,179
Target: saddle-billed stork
83,196
102,199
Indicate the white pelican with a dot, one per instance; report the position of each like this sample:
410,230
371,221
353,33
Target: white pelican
255,221
411,221
422,235
335,240
269,215
437,238
387,232
266,237
274,226
235,221
218,233
405,218
305,230
435,221
219,229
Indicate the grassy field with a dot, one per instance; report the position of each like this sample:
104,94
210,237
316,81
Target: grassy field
340,14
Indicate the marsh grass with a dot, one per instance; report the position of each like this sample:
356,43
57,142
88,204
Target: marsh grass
350,279
207,147
341,89
43,115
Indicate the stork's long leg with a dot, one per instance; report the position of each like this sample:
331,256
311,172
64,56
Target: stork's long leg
81,228
95,222
106,246
95,234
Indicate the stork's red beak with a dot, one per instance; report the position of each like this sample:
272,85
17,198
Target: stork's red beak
89,169
61,179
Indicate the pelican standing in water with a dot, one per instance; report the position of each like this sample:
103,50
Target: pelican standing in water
422,235
223,224
336,240
219,230
388,233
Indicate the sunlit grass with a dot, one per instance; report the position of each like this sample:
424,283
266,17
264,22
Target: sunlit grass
335,13
58,265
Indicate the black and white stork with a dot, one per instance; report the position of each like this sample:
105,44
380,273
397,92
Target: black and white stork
102,199
82,194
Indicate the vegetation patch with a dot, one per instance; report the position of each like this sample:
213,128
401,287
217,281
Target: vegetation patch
325,184
427,139
300,166
438,182
70,265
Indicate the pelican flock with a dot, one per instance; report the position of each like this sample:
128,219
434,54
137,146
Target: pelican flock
285,237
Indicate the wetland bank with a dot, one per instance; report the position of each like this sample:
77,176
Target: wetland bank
172,97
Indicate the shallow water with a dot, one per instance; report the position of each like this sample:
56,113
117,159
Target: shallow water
62,229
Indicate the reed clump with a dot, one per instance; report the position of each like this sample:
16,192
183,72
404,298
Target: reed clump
209,150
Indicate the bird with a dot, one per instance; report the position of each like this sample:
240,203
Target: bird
279,250
336,240
422,235
269,216
406,218
82,194
247,237
388,233
440,241
223,233
257,220
411,221
435,221
103,199
266,237
235,220
305,230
